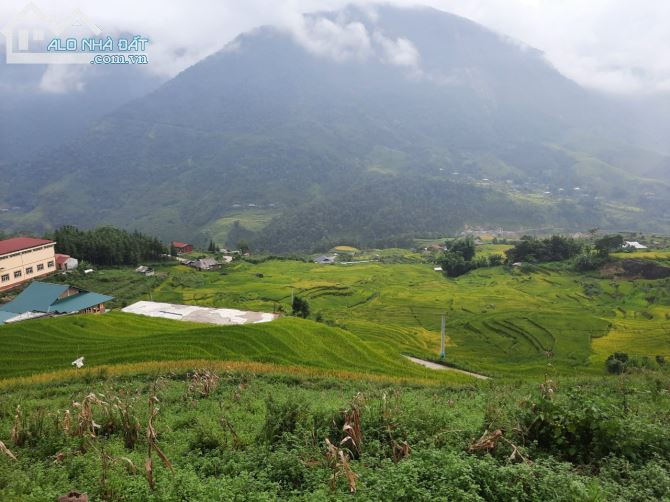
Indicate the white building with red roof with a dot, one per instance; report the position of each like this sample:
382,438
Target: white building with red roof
65,262
23,259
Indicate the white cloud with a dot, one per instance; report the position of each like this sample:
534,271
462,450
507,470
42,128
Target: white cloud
339,40
400,52
343,39
614,45
59,79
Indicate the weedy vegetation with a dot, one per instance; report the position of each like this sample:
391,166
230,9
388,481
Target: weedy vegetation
250,436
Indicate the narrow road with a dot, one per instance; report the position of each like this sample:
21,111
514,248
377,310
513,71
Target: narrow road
434,366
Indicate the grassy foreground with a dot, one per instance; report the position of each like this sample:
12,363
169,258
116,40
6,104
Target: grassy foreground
241,435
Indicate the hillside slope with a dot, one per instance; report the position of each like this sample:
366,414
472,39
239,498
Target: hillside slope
286,123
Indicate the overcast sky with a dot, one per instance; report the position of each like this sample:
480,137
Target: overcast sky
619,46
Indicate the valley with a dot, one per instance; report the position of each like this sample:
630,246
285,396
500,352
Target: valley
502,321
377,253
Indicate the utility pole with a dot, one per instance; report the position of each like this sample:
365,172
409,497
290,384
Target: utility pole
443,337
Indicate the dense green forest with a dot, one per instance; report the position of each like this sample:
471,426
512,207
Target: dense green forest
392,211
107,245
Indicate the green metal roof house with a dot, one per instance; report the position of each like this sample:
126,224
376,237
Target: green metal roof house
47,298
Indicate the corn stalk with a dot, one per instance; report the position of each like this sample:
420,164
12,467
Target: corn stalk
6,451
152,441
338,463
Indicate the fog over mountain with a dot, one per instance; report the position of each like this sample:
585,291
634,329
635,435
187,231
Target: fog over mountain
43,107
360,126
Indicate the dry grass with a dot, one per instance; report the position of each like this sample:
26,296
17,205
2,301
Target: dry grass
203,382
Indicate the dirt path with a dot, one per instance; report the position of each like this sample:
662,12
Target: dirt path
434,366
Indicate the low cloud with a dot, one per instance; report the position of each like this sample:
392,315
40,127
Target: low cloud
59,79
400,52
343,39
338,40
612,45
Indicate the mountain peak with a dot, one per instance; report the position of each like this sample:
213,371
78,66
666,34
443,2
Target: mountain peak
288,122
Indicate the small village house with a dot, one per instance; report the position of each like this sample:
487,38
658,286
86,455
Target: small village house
41,299
182,247
65,262
204,264
23,259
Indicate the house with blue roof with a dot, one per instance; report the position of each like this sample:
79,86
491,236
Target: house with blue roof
43,298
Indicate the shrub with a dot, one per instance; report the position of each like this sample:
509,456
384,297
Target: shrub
496,260
206,438
616,363
615,366
282,418
586,262
579,431
454,265
300,307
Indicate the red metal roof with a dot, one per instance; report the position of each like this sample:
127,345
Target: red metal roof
21,243
179,244
62,258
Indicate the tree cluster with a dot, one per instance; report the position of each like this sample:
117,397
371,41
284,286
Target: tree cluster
460,258
300,307
608,244
107,245
554,248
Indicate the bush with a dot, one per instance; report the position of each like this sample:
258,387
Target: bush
454,265
614,366
616,363
300,307
584,429
282,418
496,260
586,262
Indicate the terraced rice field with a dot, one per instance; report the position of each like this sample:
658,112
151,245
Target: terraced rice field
500,322
117,338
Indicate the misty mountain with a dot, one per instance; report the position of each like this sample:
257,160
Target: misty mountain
43,107
365,128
